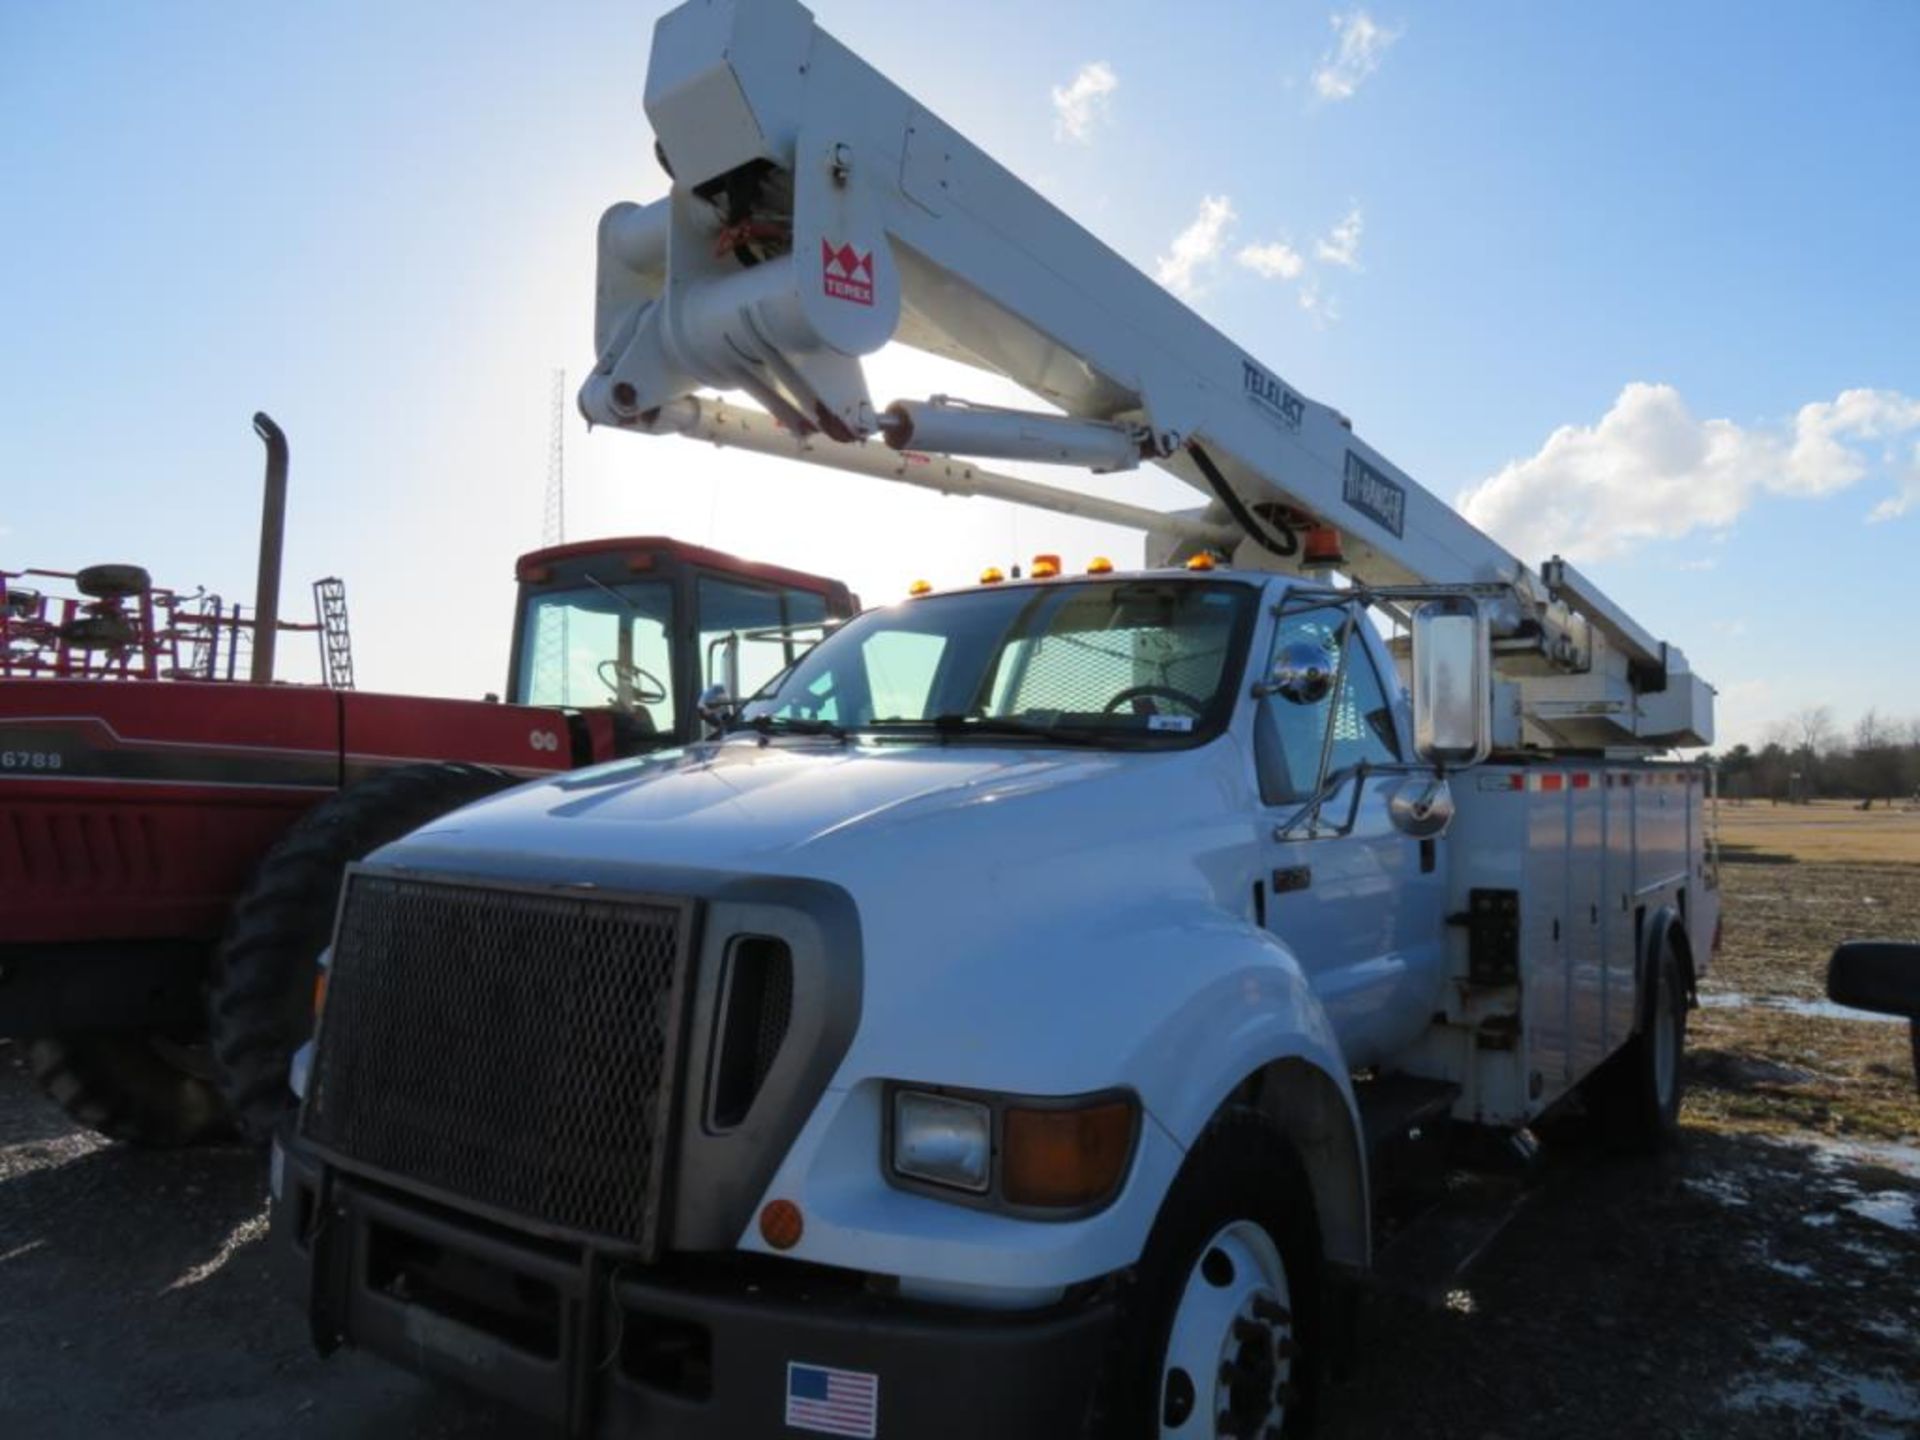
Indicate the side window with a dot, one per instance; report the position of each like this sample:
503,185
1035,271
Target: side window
1362,715
728,609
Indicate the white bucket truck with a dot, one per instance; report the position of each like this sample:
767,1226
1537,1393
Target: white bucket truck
990,1032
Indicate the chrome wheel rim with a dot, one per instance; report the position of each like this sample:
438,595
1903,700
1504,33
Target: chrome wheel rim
1228,1365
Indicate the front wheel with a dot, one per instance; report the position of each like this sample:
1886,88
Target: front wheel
1219,1335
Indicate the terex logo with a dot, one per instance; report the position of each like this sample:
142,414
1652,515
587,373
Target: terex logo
845,273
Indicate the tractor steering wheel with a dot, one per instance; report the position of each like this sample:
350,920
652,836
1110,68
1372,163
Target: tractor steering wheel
647,689
1155,692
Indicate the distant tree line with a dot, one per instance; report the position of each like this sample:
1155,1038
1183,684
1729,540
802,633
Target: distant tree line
1809,757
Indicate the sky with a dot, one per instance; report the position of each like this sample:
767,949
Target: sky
1636,283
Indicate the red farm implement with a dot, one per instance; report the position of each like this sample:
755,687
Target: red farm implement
174,824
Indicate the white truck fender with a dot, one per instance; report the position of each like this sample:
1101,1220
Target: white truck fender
1257,1035
1229,1016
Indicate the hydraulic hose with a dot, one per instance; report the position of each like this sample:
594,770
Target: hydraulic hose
1274,535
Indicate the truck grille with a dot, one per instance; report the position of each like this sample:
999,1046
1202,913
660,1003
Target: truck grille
513,1050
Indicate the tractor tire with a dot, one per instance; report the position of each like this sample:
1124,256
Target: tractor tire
260,1002
137,1087
113,582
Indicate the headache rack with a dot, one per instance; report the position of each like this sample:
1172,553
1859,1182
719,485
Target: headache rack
510,1050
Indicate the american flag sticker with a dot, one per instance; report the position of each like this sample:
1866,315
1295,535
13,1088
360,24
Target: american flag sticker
832,1402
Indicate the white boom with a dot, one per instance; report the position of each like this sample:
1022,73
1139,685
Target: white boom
818,212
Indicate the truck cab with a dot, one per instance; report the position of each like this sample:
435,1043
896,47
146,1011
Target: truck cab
1020,985
631,632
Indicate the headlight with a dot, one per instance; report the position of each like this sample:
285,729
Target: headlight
942,1141
1047,1157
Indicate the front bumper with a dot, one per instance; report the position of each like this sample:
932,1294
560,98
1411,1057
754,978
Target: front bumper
598,1347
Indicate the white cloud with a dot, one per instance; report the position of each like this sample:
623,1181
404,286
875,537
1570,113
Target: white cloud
1196,249
1820,462
1322,310
1649,470
1891,508
1085,102
1341,245
1277,261
1359,42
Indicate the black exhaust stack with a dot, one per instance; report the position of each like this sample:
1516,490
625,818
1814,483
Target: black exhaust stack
273,530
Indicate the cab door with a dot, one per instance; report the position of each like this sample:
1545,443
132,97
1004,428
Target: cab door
1357,901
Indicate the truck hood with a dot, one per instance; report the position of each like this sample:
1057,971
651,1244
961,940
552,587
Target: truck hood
741,804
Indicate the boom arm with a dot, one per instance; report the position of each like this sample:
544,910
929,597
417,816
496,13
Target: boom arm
817,212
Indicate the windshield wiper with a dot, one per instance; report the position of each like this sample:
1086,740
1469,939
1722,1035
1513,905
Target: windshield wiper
950,725
795,725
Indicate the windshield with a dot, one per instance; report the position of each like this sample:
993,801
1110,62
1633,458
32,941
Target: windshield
1121,662
601,645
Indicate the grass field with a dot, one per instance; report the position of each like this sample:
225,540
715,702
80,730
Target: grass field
1796,881
1829,831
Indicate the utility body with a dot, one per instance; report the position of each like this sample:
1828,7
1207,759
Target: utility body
997,1030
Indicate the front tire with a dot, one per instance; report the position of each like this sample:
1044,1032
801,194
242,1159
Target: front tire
261,1001
1220,1334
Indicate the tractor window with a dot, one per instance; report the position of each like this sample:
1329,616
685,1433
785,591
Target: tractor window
768,628
601,645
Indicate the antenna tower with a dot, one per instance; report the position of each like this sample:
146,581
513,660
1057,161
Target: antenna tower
554,531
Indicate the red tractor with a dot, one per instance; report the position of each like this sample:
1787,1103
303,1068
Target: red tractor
172,837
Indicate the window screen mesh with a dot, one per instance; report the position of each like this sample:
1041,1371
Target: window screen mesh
1083,673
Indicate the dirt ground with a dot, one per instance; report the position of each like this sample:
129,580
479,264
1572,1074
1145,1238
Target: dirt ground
1762,1280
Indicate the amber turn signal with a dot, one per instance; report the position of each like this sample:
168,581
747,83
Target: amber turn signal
919,588
992,575
1064,1158
319,992
1202,561
1045,567
781,1224
1100,565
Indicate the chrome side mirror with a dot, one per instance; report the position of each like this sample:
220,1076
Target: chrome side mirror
717,708
1302,674
1452,682
1421,806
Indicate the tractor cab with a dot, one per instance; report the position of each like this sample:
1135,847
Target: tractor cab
638,630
